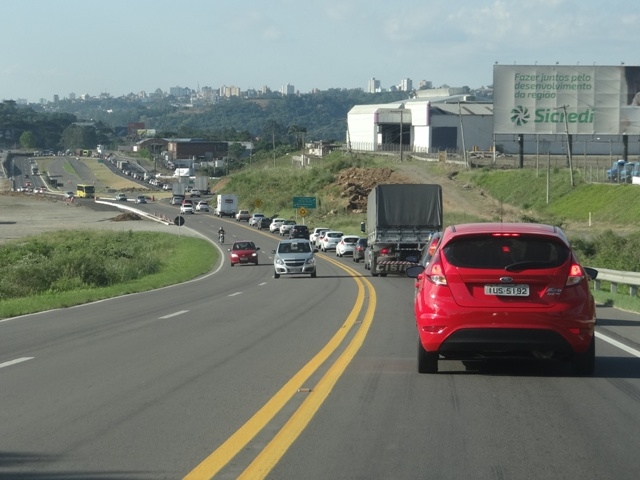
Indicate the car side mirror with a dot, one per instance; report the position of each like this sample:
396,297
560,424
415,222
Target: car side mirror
257,248
273,251
592,273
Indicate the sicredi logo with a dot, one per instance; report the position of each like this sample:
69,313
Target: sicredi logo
520,116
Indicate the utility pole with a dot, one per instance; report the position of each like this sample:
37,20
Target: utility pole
273,145
464,148
401,139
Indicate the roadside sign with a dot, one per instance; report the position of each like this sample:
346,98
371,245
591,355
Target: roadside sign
306,202
303,212
258,203
179,220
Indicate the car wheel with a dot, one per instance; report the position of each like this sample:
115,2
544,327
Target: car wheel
337,254
427,361
232,264
313,275
276,275
584,364
383,274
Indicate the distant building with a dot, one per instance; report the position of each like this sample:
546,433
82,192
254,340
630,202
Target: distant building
228,92
196,148
406,85
179,92
373,86
287,89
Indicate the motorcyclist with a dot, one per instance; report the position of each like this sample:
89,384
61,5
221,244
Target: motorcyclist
221,233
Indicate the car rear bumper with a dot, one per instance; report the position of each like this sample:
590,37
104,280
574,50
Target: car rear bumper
518,331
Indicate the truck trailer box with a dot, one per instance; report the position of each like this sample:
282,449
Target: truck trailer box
226,205
401,219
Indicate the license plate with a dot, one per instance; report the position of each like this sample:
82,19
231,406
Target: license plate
295,270
507,290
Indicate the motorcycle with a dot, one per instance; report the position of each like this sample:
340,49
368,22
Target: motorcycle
221,237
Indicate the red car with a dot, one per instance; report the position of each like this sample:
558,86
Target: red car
504,290
243,252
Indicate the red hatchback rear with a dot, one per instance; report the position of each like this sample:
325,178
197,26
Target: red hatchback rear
504,289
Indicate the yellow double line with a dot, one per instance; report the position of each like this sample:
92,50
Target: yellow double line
276,448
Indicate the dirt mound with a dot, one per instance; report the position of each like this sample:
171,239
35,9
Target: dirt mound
356,183
126,217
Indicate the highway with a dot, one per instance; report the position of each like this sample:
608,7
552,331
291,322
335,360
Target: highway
240,375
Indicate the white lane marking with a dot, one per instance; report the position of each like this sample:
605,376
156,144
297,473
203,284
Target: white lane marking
13,362
616,343
174,314
263,283
234,294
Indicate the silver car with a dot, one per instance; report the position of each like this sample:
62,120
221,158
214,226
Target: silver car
294,257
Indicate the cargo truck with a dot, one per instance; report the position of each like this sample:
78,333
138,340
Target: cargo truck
400,221
226,205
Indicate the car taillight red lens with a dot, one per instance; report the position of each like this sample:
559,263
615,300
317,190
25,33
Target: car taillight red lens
575,275
435,272
384,251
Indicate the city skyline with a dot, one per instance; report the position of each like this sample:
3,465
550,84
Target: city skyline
122,47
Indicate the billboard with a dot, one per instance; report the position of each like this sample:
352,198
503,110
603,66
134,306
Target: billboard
556,99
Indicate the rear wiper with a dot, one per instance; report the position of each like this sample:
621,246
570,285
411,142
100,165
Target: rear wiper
528,264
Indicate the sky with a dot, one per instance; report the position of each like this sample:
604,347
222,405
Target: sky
58,47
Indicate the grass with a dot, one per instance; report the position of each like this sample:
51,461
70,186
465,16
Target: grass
69,268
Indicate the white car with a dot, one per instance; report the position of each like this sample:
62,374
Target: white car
255,218
286,226
346,245
202,207
275,225
141,199
320,236
69,195
186,208
313,236
243,216
330,240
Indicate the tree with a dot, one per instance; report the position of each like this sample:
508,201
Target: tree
298,132
28,140
236,150
79,136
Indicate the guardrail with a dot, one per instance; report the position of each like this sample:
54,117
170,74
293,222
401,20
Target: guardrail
615,277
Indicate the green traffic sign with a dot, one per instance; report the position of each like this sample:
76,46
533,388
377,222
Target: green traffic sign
306,202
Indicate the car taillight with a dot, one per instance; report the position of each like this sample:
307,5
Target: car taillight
575,275
435,273
385,251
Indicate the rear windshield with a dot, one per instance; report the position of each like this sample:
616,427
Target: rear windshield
511,253
334,235
350,240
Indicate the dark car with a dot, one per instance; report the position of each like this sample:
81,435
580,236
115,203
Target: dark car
299,231
263,223
358,252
